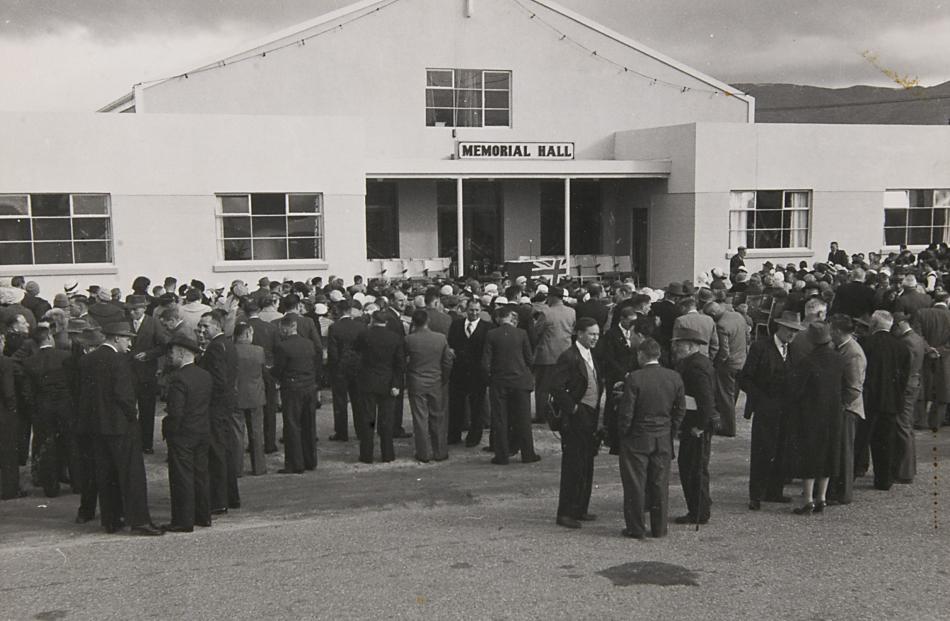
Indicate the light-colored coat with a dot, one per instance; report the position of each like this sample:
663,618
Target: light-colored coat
554,326
855,366
429,361
732,332
250,376
703,324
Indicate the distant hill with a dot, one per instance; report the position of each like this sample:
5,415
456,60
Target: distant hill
793,103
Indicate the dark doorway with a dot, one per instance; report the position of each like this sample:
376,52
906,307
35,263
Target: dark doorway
482,226
639,243
586,231
382,220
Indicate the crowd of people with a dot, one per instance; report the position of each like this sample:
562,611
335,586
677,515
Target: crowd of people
840,361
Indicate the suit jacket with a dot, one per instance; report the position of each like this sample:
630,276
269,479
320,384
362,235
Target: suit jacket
855,368
150,340
220,360
555,326
917,347
48,379
8,401
507,358
467,370
854,299
308,330
705,325
342,358
666,312
382,360
653,403
438,321
107,402
910,302
699,380
395,322
764,378
266,336
595,309
295,363
250,375
187,416
617,355
887,373
569,380
429,361
732,332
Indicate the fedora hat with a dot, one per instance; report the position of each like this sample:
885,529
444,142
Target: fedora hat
182,340
819,333
675,289
90,337
118,328
135,301
790,320
682,333
76,326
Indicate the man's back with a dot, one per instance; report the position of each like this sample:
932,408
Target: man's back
429,364
507,357
555,327
653,402
107,401
382,360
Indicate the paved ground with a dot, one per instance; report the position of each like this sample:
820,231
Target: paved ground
464,539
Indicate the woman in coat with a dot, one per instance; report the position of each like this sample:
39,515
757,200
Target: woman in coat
816,393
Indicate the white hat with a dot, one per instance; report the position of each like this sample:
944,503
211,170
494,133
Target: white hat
368,299
501,300
521,280
491,288
525,300
542,288
321,309
446,290
359,297
336,296
370,309
11,295
742,268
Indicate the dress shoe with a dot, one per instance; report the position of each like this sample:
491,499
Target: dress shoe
234,505
780,499
339,438
805,509
903,481
499,462
147,530
530,459
587,517
689,519
820,506
422,461
82,519
148,451
755,505
203,524
631,535
174,528
443,458
567,522
219,511
365,461
286,471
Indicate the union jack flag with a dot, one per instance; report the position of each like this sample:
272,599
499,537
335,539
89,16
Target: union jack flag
552,268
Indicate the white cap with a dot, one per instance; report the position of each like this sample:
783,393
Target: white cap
521,280
359,297
542,288
336,296
491,288
501,300
525,300
446,290
321,309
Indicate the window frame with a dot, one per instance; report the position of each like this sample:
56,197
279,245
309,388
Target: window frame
743,232
287,237
909,209
455,88
71,216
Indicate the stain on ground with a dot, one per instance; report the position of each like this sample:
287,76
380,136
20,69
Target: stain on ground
461,566
50,615
565,567
650,572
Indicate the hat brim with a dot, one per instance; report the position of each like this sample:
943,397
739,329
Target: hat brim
788,324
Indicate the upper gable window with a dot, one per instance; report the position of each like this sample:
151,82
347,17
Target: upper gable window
468,98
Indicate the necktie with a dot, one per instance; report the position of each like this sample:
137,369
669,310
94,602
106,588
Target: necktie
784,351
469,328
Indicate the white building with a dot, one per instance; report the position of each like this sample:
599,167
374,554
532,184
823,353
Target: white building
392,129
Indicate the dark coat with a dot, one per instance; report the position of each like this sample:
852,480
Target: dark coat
250,376
507,358
107,401
616,355
569,381
653,403
266,335
817,398
342,358
308,330
934,325
467,371
699,380
666,311
439,321
189,400
47,387
220,360
382,360
764,378
294,363
150,340
595,309
36,305
910,302
853,299
887,373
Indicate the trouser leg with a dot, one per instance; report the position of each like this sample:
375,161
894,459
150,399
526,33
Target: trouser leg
385,426
726,400
45,449
476,407
499,415
86,473
542,388
181,482
577,461
338,386
438,425
145,396
107,482
419,408
763,455
633,476
132,480
202,483
217,462
9,460
841,488
236,440
862,442
364,425
308,428
456,419
905,449
270,412
883,436
658,485
519,417
254,419
292,410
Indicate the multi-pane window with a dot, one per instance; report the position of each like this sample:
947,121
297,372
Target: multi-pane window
468,98
769,219
916,217
268,227
48,229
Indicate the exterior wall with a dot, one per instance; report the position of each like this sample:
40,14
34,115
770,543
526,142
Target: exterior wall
559,92
162,172
672,220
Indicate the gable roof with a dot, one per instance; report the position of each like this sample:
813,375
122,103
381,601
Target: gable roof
375,5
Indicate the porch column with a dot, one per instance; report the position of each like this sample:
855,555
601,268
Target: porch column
459,224
567,224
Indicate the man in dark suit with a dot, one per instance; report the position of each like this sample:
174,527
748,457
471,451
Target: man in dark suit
617,351
934,325
147,347
650,412
595,307
911,299
266,335
343,363
884,386
397,322
836,256
468,381
764,378
108,403
295,370
187,429
380,378
9,464
427,373
699,424
47,393
577,386
220,360
854,298
506,362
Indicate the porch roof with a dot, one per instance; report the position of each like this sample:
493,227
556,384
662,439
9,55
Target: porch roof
518,169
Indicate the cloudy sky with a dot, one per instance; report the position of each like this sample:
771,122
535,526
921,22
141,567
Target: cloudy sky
81,54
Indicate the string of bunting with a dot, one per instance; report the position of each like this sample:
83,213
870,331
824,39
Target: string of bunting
563,36
297,42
